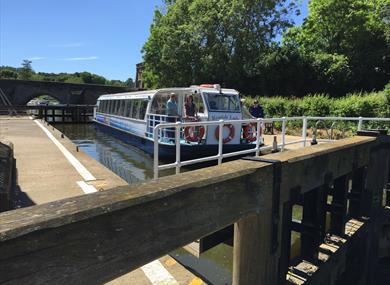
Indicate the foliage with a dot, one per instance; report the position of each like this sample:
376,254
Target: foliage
347,43
374,104
26,72
342,46
225,41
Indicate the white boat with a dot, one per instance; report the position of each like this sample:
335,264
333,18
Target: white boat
134,115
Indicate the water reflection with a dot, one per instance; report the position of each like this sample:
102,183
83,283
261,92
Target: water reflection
127,161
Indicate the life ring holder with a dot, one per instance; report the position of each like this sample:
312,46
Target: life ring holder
249,131
229,137
190,135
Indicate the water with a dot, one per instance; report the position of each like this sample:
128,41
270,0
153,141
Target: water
134,166
127,161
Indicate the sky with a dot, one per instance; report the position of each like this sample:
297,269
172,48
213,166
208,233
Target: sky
99,36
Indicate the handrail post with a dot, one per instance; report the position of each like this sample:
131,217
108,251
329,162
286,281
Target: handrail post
155,151
177,142
360,125
304,130
258,138
283,132
220,142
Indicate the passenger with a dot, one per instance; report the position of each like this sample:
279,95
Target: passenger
256,110
172,114
172,107
189,107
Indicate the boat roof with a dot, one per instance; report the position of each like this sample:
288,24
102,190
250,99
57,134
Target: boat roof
147,94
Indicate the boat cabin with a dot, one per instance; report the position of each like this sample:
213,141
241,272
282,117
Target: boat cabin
139,112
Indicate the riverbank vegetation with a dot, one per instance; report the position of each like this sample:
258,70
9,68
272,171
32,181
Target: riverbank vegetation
342,47
370,104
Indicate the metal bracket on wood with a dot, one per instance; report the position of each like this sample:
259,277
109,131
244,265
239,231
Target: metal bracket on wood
277,178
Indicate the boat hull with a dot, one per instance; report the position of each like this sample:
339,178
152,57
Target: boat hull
168,151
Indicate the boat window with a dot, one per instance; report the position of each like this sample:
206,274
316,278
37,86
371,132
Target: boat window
101,106
112,107
135,109
127,111
109,103
198,102
223,102
159,104
117,107
142,109
121,110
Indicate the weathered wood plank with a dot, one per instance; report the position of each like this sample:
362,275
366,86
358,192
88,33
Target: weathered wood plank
130,235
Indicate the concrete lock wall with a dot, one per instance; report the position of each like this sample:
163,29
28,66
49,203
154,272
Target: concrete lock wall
6,174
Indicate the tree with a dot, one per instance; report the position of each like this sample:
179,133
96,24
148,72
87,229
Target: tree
346,42
26,70
222,41
129,82
8,73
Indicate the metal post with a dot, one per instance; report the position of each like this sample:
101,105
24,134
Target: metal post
360,125
283,132
177,142
258,138
155,152
304,131
220,142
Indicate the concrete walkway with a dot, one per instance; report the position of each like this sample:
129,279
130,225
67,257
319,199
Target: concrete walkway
50,168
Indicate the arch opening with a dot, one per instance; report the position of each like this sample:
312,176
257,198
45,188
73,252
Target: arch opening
43,100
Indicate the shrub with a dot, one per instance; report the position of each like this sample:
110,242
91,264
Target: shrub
375,104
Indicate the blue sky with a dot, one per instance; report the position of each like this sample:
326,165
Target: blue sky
99,36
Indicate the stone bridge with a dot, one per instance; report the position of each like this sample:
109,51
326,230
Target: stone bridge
20,92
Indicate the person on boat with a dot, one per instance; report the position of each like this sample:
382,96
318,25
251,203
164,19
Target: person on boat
172,110
256,110
189,107
172,114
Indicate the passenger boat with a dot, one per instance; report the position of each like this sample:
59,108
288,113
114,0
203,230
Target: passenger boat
133,116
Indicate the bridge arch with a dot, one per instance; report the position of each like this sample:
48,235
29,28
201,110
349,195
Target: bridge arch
33,96
19,92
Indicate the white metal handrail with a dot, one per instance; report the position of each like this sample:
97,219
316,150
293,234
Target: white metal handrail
259,122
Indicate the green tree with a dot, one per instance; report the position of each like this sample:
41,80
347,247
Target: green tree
224,41
129,82
347,43
8,73
26,70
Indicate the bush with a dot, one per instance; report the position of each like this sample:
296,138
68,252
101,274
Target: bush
375,104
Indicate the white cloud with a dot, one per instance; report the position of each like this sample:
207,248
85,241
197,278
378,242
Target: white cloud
80,58
36,58
67,45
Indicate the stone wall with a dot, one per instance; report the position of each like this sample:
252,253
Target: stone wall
7,166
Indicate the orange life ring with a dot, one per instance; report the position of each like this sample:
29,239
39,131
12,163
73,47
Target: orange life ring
250,131
193,133
229,137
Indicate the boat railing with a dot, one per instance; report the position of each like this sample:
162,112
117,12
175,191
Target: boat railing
155,119
303,121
